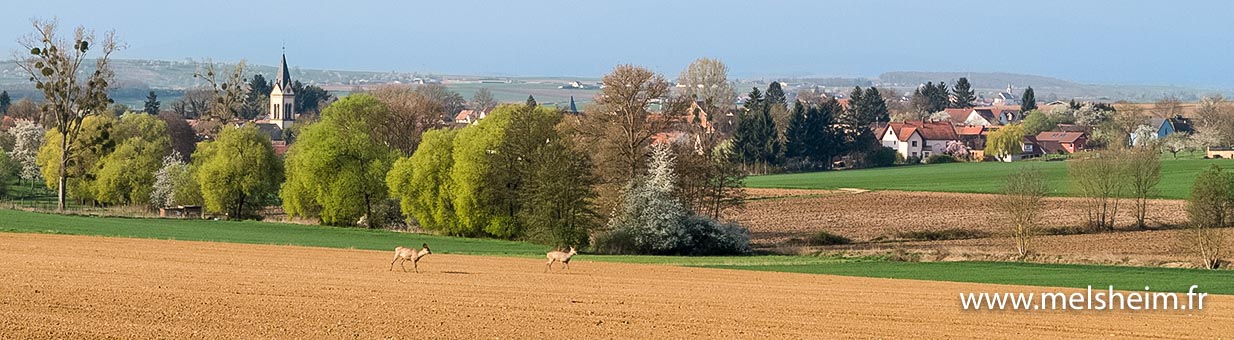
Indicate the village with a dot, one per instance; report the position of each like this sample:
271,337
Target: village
647,170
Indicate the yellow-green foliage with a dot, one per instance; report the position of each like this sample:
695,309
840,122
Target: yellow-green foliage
1005,141
337,169
422,183
475,149
237,172
93,143
127,174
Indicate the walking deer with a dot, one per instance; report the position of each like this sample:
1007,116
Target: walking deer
560,256
408,254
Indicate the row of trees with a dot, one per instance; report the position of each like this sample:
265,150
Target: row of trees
525,172
813,133
1104,179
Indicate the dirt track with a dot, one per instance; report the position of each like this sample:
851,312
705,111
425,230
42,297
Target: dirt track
74,286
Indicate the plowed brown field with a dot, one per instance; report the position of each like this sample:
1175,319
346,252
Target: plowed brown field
790,213
78,287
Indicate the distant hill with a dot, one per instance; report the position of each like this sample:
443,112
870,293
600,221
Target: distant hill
171,77
178,74
1047,88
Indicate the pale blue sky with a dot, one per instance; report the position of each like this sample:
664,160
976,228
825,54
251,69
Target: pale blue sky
1117,42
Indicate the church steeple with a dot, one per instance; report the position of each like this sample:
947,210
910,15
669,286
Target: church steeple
282,98
283,79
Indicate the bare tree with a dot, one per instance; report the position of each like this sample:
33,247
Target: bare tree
1020,206
411,114
229,93
624,101
1100,177
706,80
1215,120
1143,175
54,65
618,130
26,109
1168,106
483,100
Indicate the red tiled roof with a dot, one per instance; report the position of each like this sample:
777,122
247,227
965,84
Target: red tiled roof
958,115
927,130
971,130
464,115
1059,136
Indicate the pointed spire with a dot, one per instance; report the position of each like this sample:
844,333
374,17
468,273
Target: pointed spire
573,108
283,79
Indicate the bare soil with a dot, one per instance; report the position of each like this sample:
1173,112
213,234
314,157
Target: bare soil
56,286
775,216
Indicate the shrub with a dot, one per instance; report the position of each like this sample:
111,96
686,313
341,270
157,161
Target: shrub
940,159
617,241
824,238
881,157
653,221
941,235
711,237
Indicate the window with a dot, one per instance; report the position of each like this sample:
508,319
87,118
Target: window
276,112
926,154
914,154
914,143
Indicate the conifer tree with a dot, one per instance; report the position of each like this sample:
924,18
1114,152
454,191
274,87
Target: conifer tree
775,94
875,107
1029,101
5,101
963,92
152,104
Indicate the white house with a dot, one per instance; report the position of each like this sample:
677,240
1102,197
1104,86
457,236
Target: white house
917,139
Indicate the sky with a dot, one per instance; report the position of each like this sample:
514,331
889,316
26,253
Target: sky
1181,43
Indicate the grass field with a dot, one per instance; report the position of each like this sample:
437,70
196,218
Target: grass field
985,177
1047,275
303,235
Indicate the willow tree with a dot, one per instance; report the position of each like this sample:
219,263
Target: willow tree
337,169
237,172
1005,142
55,66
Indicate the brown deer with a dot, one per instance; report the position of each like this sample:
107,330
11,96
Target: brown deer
560,256
408,254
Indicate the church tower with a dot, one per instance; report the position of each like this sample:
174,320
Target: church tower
282,99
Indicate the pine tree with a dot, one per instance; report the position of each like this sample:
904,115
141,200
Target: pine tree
856,101
755,139
769,134
152,104
1029,101
5,101
828,140
796,135
964,96
940,98
775,94
875,107
531,101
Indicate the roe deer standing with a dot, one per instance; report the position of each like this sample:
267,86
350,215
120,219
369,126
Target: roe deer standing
559,256
408,254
